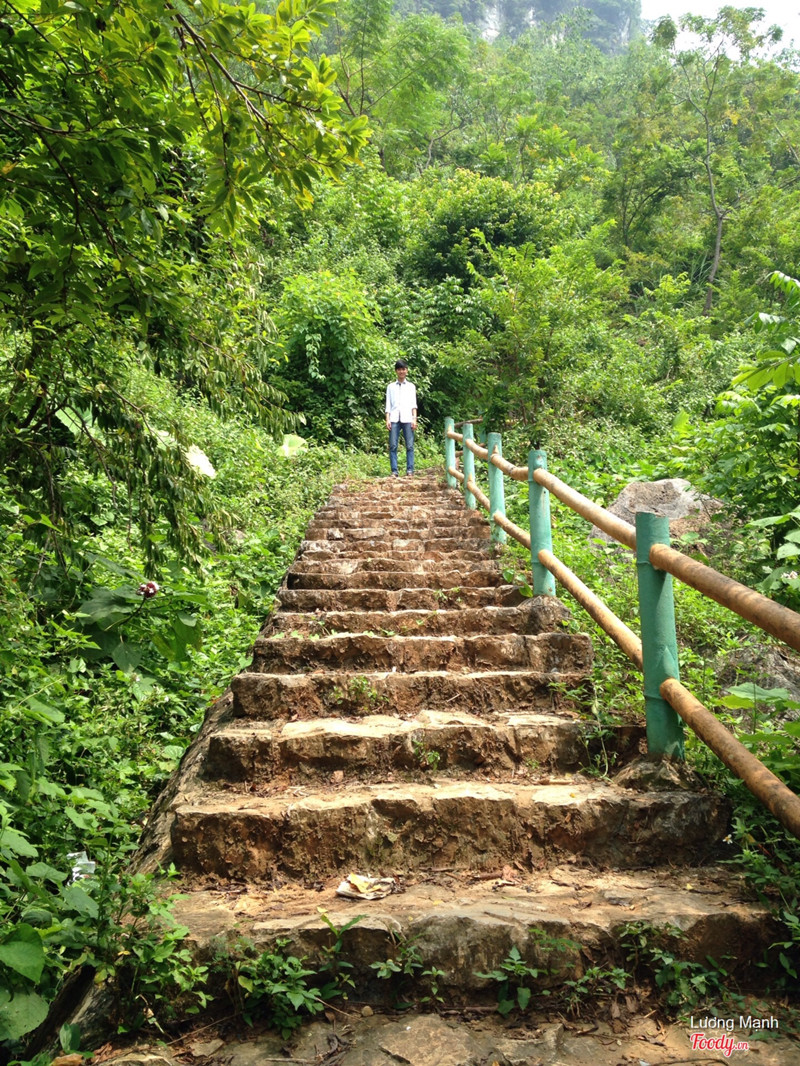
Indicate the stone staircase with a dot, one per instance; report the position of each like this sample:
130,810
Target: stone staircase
408,715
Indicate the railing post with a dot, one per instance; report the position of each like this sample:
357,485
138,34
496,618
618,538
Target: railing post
544,584
659,642
497,493
468,463
449,453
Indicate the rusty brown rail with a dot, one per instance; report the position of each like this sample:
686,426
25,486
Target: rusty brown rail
772,617
764,785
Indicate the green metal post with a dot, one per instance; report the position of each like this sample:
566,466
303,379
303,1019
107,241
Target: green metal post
449,452
497,492
544,584
659,643
468,464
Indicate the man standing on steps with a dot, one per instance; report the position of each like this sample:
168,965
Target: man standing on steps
401,414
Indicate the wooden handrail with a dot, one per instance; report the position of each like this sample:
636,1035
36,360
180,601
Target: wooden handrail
622,636
765,786
476,449
480,496
773,618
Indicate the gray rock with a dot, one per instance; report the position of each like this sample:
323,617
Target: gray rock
687,509
655,773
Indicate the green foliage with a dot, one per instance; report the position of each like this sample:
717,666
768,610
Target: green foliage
681,984
128,157
408,974
750,454
274,986
460,218
519,980
513,976
102,690
547,309
427,758
338,364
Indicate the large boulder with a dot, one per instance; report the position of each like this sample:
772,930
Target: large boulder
688,510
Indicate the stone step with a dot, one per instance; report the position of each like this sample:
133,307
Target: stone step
383,508
382,557
447,546
464,926
416,518
395,488
443,537
468,522
461,825
542,614
544,652
321,695
517,745
417,599
484,577
451,563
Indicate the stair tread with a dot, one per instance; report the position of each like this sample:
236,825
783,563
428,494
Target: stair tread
566,793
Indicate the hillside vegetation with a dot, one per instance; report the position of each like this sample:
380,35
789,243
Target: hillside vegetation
221,224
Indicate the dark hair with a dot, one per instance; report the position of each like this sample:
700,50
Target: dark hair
401,364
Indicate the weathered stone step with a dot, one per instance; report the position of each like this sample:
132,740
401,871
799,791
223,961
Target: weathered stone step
376,561
388,508
544,652
444,536
417,599
379,545
468,826
433,741
468,521
382,558
538,615
393,489
483,577
350,518
416,564
464,926
319,695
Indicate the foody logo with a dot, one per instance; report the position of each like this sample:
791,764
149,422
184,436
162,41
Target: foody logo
723,1042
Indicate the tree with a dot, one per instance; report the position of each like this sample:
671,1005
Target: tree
721,86
134,136
406,74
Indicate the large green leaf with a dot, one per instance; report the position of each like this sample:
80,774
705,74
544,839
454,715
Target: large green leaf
20,1014
23,952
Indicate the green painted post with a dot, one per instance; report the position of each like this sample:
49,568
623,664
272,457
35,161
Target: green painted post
544,584
497,492
659,642
449,452
468,464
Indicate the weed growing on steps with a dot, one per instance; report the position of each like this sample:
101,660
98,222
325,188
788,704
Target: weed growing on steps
652,962
273,985
682,985
514,977
427,758
359,695
405,969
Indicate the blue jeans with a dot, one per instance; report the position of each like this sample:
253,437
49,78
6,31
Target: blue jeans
394,439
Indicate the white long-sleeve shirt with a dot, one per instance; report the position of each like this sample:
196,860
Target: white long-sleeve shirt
401,401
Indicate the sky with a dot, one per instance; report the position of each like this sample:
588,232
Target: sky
784,13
